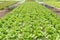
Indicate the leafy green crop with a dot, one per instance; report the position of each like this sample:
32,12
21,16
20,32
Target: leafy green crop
30,21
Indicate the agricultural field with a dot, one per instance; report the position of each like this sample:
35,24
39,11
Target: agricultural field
30,21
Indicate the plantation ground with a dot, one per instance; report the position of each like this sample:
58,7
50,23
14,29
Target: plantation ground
30,21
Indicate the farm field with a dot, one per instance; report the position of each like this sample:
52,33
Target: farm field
30,21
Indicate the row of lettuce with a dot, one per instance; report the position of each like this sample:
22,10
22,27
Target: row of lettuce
30,21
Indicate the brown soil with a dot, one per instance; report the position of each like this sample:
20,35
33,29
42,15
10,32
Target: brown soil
56,10
3,12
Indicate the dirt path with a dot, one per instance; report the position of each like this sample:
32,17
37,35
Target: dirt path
10,8
3,12
56,10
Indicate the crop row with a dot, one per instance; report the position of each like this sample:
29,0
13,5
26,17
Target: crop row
6,4
54,3
30,21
